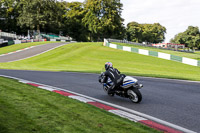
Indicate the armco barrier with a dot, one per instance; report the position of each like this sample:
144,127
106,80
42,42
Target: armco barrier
113,45
184,60
32,40
190,61
143,51
134,50
11,42
108,44
176,58
17,41
119,47
164,56
153,53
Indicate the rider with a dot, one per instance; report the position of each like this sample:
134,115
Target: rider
114,75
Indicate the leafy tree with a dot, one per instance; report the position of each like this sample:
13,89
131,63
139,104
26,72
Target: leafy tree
147,34
134,32
8,15
190,37
56,23
89,21
103,18
153,33
74,26
159,32
178,39
197,41
37,13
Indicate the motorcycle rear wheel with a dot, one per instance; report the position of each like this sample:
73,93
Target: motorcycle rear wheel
134,95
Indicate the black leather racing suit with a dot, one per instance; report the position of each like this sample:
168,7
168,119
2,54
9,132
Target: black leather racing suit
115,77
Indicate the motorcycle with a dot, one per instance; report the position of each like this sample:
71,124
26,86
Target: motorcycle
129,88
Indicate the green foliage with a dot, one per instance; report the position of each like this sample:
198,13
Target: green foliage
153,33
103,18
74,26
8,14
36,13
89,21
190,37
134,32
21,15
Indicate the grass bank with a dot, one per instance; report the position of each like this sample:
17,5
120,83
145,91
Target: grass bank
16,47
25,109
195,55
90,57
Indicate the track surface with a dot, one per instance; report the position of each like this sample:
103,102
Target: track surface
174,101
29,52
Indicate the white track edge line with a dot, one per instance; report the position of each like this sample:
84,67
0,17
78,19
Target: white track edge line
39,53
117,106
19,50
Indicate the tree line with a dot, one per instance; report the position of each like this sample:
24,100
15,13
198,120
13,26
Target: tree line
88,21
91,20
153,33
190,37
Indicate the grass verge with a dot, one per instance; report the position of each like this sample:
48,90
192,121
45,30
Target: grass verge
16,47
90,57
195,55
24,108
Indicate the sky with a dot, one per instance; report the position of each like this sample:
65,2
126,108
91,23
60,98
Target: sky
174,15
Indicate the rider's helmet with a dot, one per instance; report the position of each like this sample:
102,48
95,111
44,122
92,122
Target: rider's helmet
108,65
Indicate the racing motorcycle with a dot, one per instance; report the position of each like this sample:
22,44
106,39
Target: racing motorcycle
129,88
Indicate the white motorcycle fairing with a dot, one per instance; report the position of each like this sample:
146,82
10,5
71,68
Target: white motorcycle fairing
128,81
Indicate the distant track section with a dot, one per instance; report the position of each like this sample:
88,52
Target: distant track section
27,53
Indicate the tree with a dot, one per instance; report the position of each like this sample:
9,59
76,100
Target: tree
74,26
197,41
56,23
103,18
8,15
153,33
178,39
37,13
159,32
89,21
190,37
134,32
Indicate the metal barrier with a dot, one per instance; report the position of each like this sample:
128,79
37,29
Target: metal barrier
184,60
145,44
5,34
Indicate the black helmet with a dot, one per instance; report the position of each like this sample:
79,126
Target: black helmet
108,65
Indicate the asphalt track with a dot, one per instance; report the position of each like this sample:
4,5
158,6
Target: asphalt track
29,52
173,101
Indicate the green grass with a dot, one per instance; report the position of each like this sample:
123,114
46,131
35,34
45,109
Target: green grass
16,47
195,55
90,57
25,109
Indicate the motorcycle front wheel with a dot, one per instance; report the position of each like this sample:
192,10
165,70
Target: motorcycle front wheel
134,95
